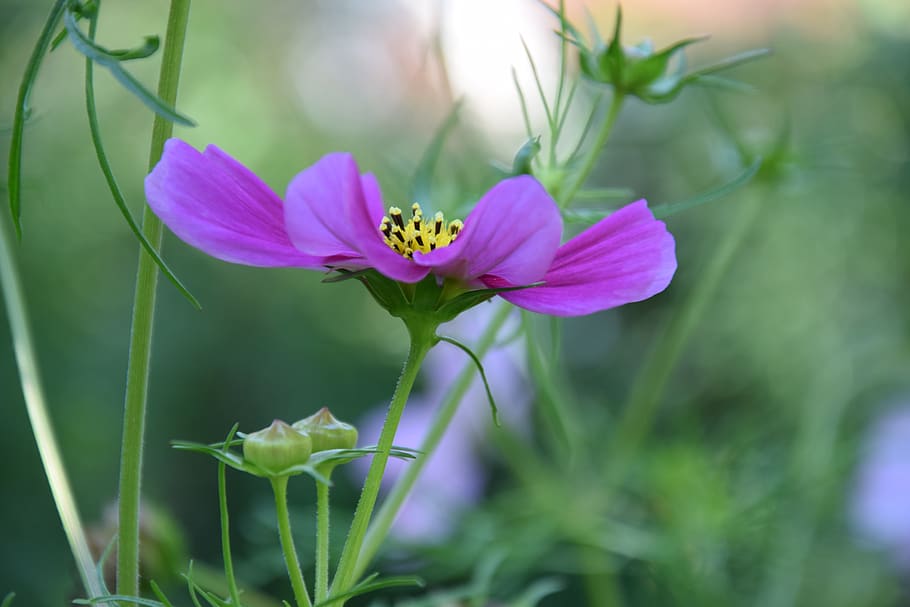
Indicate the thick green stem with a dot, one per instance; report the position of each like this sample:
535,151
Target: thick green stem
380,527
345,575
141,329
280,487
36,407
594,153
322,541
226,535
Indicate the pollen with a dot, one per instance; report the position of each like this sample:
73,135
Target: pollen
417,234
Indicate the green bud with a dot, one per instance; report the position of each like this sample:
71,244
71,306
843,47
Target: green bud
327,432
277,447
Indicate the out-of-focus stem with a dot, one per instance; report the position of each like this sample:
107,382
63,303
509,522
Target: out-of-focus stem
39,419
594,153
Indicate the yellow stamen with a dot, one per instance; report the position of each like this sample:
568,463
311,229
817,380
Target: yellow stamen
417,235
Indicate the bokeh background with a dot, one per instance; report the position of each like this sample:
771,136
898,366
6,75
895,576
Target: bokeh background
776,469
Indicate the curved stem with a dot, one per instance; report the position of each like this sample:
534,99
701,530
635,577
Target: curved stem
280,487
346,574
141,327
226,536
379,529
322,541
605,129
36,407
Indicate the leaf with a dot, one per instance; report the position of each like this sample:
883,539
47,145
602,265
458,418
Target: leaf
105,58
457,305
483,374
8,599
665,210
14,175
120,598
423,177
368,585
108,172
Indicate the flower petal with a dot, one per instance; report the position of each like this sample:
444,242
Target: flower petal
214,203
511,235
627,256
332,210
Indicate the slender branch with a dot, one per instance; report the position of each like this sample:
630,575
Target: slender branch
380,527
280,487
346,574
593,154
38,416
141,328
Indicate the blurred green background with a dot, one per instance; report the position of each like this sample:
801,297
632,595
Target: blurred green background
742,491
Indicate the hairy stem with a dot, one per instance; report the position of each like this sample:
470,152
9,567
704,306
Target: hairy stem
346,574
226,535
280,487
379,529
322,541
141,328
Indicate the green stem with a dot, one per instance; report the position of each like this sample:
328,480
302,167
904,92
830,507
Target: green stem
346,574
280,487
322,541
38,416
141,328
380,527
226,535
605,129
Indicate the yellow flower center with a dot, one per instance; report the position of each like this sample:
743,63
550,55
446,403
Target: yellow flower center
417,234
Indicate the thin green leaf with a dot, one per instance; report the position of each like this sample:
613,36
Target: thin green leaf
523,103
726,84
730,62
108,172
191,585
370,586
421,184
103,57
665,210
99,568
160,594
344,275
543,98
480,369
14,175
537,591
8,599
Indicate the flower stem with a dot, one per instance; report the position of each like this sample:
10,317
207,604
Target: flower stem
379,529
36,407
346,574
141,328
280,488
322,541
605,129
226,536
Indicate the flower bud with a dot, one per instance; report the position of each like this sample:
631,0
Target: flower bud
277,447
327,432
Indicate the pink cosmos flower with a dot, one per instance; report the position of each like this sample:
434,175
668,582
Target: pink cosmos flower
334,217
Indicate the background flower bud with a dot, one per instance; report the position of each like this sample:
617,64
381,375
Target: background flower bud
327,432
277,447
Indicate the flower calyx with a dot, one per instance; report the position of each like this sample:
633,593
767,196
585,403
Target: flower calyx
642,71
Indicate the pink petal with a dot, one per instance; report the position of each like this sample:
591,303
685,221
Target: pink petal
332,210
215,204
627,256
511,235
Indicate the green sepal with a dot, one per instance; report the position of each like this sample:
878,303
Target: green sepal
452,308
